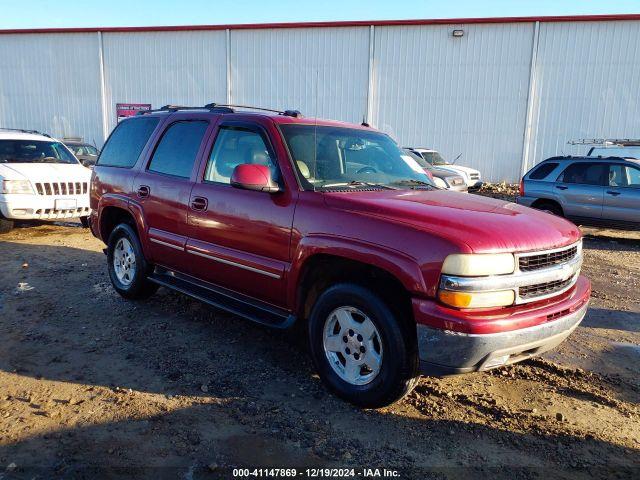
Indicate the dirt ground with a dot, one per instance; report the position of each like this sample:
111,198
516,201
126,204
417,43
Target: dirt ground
93,386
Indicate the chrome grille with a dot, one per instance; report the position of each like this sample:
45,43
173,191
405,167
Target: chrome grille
474,176
544,289
539,261
538,275
62,188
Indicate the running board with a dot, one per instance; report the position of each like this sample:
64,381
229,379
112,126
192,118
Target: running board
224,299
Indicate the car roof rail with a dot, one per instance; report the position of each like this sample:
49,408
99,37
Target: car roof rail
220,108
585,158
23,130
606,142
286,113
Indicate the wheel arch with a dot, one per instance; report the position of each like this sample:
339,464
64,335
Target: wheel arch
542,201
395,278
115,210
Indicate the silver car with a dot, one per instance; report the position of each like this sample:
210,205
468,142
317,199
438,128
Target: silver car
587,190
442,178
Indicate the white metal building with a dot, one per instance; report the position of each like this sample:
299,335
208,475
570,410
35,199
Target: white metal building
506,94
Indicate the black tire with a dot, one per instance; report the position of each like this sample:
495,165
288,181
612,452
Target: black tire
5,225
398,372
139,287
550,207
84,221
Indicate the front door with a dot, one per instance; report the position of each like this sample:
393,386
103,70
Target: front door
580,189
239,239
622,195
163,189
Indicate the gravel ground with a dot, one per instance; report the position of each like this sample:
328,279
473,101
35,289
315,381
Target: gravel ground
93,385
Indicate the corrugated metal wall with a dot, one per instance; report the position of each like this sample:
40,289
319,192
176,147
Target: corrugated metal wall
321,72
466,95
588,79
181,68
51,82
461,95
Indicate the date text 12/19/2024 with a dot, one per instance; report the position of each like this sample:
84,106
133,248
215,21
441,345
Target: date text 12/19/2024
315,473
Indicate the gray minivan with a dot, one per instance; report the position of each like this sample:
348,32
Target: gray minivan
599,191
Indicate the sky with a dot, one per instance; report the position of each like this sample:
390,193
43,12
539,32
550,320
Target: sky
123,13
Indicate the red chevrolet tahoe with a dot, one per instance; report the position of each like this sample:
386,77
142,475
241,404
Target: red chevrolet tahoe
283,219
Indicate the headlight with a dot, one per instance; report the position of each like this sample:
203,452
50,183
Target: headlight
481,264
477,299
16,186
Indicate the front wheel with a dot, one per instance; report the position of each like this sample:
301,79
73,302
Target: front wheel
360,348
128,268
84,221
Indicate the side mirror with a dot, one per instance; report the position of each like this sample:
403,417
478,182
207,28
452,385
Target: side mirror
253,177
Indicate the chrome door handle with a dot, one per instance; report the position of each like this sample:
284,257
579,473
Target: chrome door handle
143,191
613,192
199,203
561,187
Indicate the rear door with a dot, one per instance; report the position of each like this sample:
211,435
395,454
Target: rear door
580,189
622,195
163,188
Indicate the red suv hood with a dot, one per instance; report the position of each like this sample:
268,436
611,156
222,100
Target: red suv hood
484,224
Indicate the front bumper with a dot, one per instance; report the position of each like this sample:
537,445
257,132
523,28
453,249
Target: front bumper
459,188
447,352
41,207
475,185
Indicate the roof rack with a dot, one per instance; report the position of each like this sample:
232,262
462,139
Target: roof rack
586,158
212,107
220,108
286,113
622,142
22,130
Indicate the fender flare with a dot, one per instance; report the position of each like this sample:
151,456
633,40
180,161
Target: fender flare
135,210
398,264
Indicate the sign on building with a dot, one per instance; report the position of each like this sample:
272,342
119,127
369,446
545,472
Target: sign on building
124,110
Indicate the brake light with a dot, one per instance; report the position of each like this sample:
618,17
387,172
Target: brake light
521,189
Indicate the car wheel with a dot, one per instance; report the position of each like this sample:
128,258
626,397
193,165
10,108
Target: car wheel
551,208
5,225
84,221
359,347
128,268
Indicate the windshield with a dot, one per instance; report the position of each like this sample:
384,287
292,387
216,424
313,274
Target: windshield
83,149
434,158
344,158
34,151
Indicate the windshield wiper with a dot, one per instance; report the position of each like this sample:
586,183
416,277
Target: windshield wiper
357,183
414,183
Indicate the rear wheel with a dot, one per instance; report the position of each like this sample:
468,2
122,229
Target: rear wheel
128,268
359,347
5,225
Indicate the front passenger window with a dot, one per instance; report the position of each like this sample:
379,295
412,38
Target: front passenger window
235,146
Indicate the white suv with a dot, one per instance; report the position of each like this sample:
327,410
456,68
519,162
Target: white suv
40,179
471,176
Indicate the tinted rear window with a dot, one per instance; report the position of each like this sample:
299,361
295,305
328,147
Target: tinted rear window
542,171
126,142
585,174
178,148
